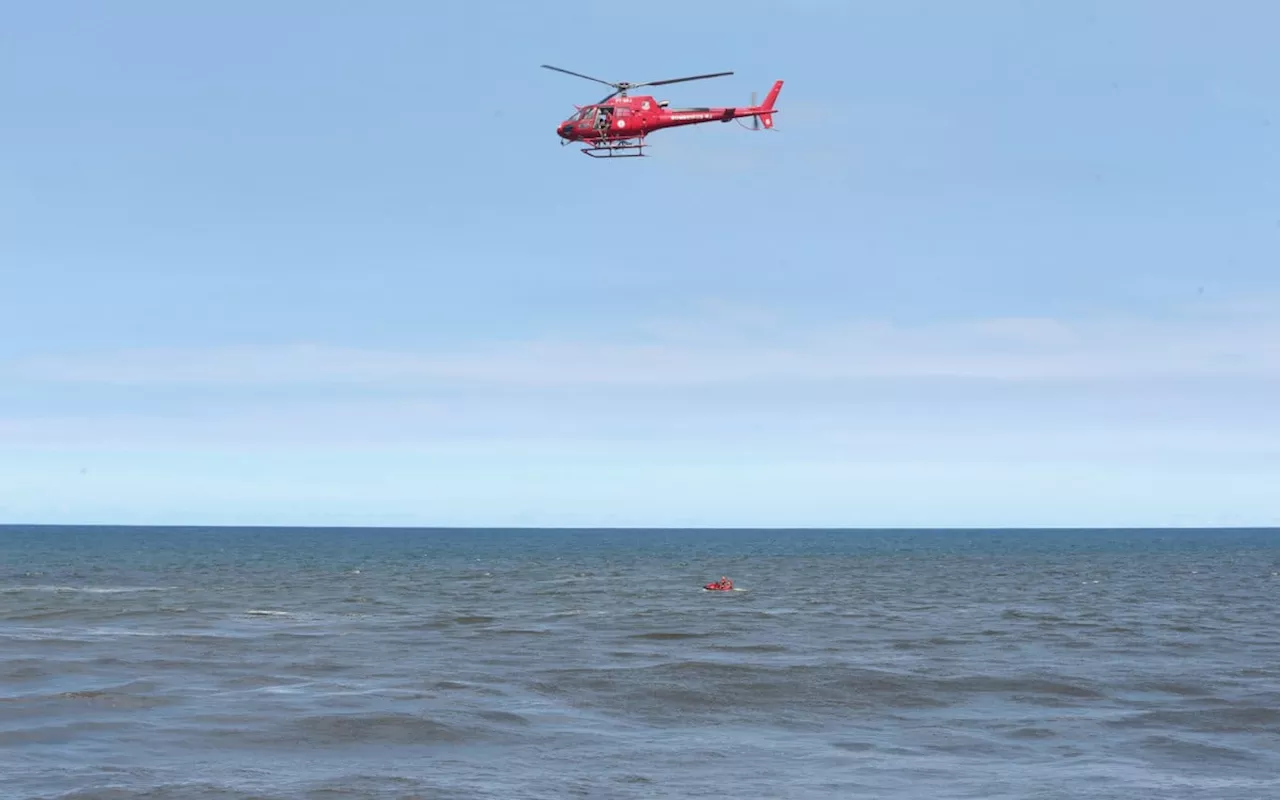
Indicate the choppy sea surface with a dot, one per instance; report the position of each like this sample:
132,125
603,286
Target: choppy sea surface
289,663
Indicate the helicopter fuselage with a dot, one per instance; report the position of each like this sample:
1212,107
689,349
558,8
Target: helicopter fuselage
617,125
631,117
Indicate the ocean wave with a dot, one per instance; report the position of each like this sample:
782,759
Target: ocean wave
363,729
697,686
86,589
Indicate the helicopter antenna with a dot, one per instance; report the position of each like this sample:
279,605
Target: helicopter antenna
622,87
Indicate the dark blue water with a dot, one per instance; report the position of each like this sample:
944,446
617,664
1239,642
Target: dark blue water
274,663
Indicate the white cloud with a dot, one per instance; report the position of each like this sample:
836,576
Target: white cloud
1008,349
213,424
663,429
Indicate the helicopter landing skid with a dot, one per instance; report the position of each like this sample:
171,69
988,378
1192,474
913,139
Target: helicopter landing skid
617,148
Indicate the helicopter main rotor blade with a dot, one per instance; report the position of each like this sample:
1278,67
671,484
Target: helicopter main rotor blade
578,75
681,80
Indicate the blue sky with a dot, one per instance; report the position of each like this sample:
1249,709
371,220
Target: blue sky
314,263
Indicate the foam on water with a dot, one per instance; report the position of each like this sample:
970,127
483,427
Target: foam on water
236,663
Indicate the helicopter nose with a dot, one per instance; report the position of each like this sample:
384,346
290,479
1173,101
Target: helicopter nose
563,130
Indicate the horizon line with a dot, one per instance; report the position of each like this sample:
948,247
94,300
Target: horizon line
651,528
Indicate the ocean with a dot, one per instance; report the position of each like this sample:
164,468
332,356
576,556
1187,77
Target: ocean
293,663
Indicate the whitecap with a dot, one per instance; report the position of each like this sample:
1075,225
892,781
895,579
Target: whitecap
88,589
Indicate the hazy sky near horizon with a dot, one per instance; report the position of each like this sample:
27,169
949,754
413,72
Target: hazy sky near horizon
318,263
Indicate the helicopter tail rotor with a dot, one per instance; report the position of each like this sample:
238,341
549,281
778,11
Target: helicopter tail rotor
769,100
763,114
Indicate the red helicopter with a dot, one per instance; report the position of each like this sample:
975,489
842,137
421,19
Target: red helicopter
616,126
